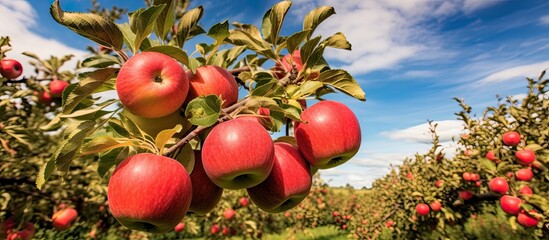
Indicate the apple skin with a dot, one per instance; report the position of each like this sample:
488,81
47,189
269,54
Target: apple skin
288,184
213,80
525,190
467,176
436,206
511,138
389,223
244,201
439,183
465,195
525,157
44,97
498,185
510,204
490,155
238,154
25,234
329,135
57,86
215,229
64,218
10,68
179,227
148,192
524,174
527,220
152,85
422,209
206,194
229,214
153,126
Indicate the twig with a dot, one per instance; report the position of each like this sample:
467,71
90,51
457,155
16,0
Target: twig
236,71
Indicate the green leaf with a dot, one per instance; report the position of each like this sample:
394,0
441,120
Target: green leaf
309,87
187,25
242,38
91,110
267,86
70,146
91,26
286,139
343,81
488,165
100,61
164,136
87,84
292,109
174,52
273,19
105,143
417,194
293,42
315,17
338,40
108,159
219,32
308,48
249,28
142,23
45,172
166,19
204,111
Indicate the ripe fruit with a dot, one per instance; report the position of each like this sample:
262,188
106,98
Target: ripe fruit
465,195
436,206
213,80
287,214
524,174
10,68
335,213
206,194
511,138
525,156
329,135
467,176
215,229
238,154
389,223
25,234
288,183
527,220
57,86
490,155
525,190
439,183
179,227
410,176
478,183
229,214
152,126
475,177
422,209
226,231
44,97
510,204
152,85
148,192
244,201
498,185
64,218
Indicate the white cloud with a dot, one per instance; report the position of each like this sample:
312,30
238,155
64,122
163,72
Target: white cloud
516,72
18,18
386,32
544,20
446,129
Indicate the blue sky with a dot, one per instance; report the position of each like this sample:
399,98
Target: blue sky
410,56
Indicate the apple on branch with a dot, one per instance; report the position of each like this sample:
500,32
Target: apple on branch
329,134
64,218
152,85
206,194
10,68
57,86
148,192
214,80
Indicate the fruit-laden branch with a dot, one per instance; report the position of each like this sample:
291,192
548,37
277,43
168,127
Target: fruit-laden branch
490,196
224,117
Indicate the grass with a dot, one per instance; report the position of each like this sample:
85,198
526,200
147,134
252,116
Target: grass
321,233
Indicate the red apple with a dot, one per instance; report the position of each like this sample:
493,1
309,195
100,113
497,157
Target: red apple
475,177
213,80
287,214
527,220
10,68
422,209
490,155
226,231
335,213
525,190
498,185
57,86
44,97
286,64
509,175
465,195
215,229
525,156
410,176
148,192
152,85
238,154
439,183
511,138
26,233
206,194
288,183
244,201
524,174
510,204
329,135
179,227
467,176
64,218
436,206
229,213
389,223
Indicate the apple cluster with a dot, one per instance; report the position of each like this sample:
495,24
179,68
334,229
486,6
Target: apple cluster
153,193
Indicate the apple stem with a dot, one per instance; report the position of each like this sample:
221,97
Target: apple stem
122,55
226,116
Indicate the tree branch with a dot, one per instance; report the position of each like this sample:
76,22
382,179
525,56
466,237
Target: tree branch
236,71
